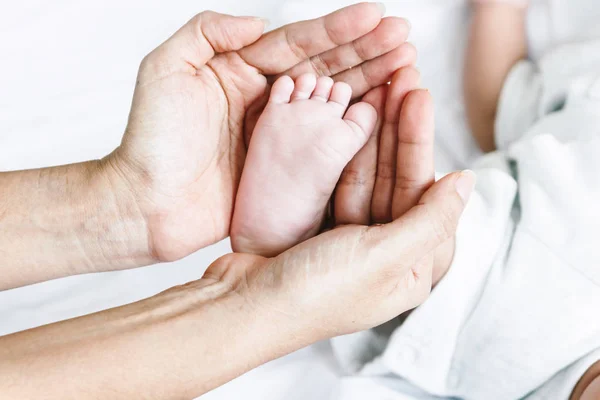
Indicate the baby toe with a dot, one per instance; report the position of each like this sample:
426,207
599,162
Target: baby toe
305,85
282,90
362,117
323,90
341,94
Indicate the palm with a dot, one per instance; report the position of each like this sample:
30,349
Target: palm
185,136
202,163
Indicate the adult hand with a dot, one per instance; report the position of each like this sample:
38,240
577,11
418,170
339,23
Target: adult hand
196,337
357,277
351,278
393,171
193,338
183,151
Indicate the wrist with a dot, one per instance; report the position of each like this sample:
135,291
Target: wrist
124,239
274,304
68,220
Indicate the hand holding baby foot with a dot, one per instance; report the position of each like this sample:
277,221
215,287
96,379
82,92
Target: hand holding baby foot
391,174
300,145
182,156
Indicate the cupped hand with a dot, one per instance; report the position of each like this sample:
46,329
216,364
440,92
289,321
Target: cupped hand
184,149
393,171
357,276
350,278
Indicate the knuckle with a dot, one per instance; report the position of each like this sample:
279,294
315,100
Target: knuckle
149,60
294,46
382,214
353,177
366,74
145,63
199,19
386,170
197,22
335,33
360,52
208,30
404,182
319,66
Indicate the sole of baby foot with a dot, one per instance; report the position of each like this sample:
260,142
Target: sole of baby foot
301,144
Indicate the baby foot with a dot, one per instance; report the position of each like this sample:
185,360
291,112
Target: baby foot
299,148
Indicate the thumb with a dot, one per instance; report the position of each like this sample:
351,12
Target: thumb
205,35
427,225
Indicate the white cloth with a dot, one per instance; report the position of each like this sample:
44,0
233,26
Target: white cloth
517,314
554,22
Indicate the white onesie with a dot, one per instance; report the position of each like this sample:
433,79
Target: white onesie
518,315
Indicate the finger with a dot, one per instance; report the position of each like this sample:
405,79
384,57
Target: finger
355,188
253,114
377,71
415,170
389,34
283,48
403,81
426,226
203,36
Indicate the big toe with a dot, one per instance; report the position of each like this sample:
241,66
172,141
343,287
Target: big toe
362,117
282,90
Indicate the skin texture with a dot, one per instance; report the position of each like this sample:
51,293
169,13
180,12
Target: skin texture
496,43
179,344
191,339
588,387
78,218
177,168
396,166
301,144
169,189
191,179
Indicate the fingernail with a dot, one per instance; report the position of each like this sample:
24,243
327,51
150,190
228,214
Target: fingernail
381,8
465,184
265,21
408,23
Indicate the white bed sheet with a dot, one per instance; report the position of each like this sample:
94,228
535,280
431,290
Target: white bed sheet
66,80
